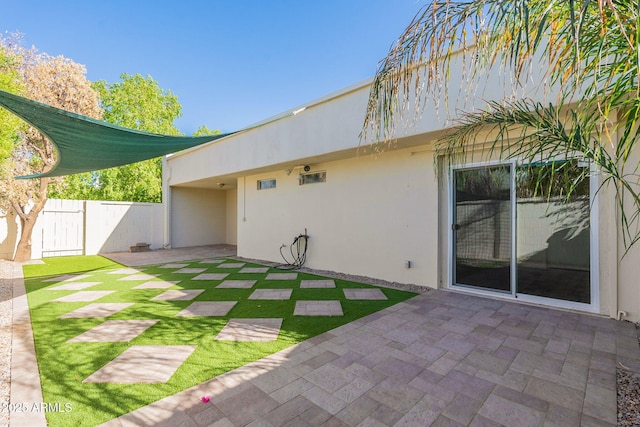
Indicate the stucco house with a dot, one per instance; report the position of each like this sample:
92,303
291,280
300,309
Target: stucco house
399,213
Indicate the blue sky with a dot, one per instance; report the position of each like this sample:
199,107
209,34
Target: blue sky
231,63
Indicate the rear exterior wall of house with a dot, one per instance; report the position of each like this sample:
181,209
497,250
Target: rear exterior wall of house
371,216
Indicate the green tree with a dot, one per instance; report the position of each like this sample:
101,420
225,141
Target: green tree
587,51
56,81
204,130
135,102
10,81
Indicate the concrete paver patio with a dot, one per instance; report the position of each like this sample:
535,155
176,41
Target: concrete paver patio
441,358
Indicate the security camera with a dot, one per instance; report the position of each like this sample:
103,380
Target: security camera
307,168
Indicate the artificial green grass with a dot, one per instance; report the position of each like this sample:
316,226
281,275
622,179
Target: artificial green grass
63,366
67,264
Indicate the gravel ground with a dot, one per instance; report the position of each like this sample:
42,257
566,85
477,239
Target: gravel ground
6,313
629,394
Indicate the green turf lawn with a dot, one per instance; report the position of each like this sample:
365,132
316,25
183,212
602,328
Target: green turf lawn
63,366
67,264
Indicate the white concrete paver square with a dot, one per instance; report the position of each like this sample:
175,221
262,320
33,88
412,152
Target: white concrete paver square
282,276
156,284
317,284
124,271
190,270
318,308
83,296
115,331
139,276
207,308
178,295
237,284
254,270
272,294
143,364
73,286
231,265
173,265
67,277
250,330
211,276
104,309
211,261
364,294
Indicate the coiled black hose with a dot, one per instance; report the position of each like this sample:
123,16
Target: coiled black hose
298,251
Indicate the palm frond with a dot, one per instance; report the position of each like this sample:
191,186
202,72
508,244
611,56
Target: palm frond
586,52
527,131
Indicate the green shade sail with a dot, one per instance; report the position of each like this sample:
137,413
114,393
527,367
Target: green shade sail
85,144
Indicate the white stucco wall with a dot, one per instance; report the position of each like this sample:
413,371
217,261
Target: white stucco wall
371,216
628,274
114,226
198,217
232,217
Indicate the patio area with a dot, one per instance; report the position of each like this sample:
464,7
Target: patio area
440,358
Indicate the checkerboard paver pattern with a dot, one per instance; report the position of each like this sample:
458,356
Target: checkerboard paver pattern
115,331
143,364
139,276
178,295
318,308
83,296
237,284
211,276
124,271
73,286
207,308
156,284
252,330
254,270
317,284
282,276
364,294
67,277
173,265
271,294
231,265
152,364
104,309
188,270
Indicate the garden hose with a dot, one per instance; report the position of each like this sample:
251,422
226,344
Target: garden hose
298,251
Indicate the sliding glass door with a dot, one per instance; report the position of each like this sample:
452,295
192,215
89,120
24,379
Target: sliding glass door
516,230
553,231
482,227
